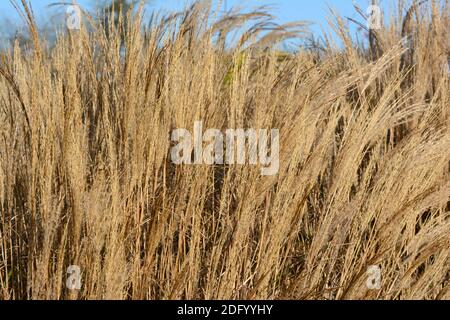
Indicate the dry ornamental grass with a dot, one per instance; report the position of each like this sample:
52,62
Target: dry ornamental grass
86,177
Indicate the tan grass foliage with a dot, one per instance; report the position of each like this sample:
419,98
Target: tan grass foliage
86,178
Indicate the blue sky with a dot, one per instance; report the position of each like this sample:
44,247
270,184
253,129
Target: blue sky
286,10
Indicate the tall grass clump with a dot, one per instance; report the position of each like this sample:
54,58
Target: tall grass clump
86,177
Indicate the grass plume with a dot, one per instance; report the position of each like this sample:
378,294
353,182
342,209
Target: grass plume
86,178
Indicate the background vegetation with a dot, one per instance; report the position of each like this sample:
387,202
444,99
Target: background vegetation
86,179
